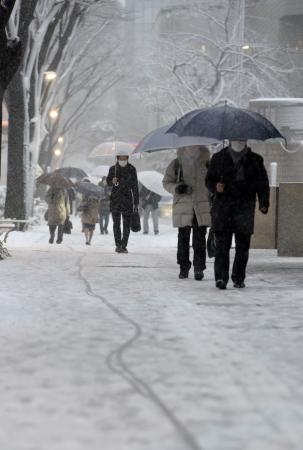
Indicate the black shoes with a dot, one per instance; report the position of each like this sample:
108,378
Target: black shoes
51,240
184,271
199,275
239,285
220,284
156,233
121,249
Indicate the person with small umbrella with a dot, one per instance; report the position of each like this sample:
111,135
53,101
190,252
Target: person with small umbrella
235,178
185,179
58,211
122,177
90,213
58,203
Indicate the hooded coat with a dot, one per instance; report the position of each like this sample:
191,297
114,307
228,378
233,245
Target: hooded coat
234,210
58,206
90,207
191,171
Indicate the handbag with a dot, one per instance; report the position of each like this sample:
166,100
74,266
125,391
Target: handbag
135,222
211,244
68,226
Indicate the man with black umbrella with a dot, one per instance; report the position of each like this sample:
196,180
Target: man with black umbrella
235,178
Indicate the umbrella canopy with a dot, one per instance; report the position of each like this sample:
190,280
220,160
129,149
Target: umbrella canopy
225,122
113,148
152,180
100,171
55,179
89,189
72,172
158,140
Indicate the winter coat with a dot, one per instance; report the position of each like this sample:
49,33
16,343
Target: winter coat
186,205
234,210
90,208
58,206
126,195
149,198
105,202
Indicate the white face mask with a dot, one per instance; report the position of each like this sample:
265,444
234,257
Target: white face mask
238,146
122,163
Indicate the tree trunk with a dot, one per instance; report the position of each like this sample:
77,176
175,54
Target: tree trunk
16,205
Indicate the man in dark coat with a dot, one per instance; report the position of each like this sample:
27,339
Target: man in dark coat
122,177
150,205
236,176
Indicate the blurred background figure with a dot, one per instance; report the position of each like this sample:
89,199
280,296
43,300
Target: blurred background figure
150,206
58,211
104,208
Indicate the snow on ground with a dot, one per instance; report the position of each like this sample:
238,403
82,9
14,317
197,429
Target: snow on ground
101,351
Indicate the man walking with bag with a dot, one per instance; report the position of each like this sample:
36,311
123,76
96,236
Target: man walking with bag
185,179
122,177
236,176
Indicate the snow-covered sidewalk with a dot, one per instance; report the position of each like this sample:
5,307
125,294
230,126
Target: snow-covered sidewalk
101,351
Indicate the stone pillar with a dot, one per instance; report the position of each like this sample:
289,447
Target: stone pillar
290,220
265,235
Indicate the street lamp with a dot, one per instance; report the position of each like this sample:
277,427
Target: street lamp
53,114
57,152
50,76
60,140
246,47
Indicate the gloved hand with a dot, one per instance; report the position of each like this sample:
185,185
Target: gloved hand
264,209
183,188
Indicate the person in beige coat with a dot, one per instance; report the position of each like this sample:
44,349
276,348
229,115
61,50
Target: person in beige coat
57,213
90,216
185,180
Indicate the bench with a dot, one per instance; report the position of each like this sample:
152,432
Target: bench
6,228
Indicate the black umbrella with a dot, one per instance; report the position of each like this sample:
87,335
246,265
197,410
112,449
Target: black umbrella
90,190
225,122
72,172
158,139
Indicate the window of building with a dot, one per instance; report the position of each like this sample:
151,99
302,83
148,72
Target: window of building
291,31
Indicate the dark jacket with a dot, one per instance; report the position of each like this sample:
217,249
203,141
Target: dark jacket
234,210
126,195
105,202
149,198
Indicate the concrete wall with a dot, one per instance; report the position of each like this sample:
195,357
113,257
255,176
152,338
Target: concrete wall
290,220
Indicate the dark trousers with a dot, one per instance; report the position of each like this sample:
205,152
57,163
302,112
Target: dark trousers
119,240
199,246
103,220
52,231
222,258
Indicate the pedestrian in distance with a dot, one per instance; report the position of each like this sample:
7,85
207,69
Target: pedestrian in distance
235,178
57,213
89,209
122,178
104,208
185,180
150,206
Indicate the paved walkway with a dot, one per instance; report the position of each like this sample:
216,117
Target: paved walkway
101,351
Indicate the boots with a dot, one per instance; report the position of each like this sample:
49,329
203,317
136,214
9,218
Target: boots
184,271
